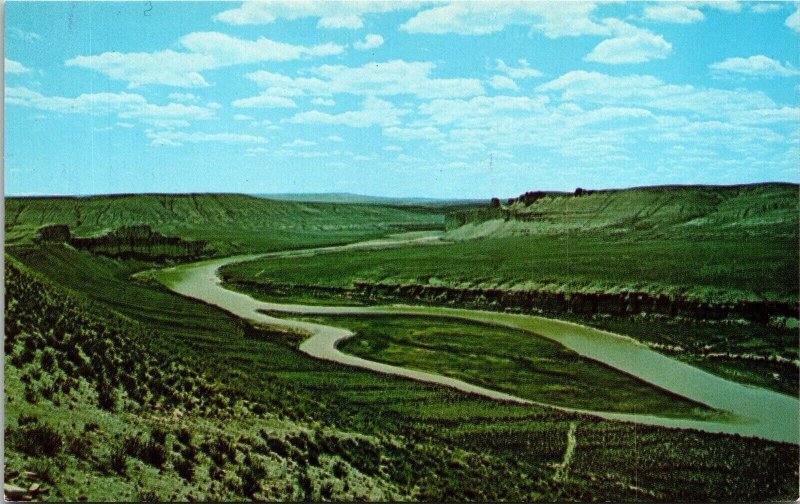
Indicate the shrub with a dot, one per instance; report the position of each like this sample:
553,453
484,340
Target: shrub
190,452
48,360
106,396
38,439
326,490
119,460
185,468
80,447
26,419
184,436
31,394
220,449
148,496
251,474
153,453
159,435
150,452
306,486
339,470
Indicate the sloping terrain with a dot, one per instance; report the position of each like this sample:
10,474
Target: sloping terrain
221,411
667,210
230,222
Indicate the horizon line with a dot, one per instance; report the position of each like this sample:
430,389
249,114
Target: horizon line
416,197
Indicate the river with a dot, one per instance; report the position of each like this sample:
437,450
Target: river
753,411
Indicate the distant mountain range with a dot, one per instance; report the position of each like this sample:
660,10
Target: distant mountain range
368,200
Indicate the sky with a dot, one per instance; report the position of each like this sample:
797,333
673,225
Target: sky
426,99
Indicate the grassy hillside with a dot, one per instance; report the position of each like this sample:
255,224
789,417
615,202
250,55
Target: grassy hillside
93,414
230,222
390,438
664,211
718,244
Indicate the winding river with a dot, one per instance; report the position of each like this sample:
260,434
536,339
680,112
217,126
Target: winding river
752,411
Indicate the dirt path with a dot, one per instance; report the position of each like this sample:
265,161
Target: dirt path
572,441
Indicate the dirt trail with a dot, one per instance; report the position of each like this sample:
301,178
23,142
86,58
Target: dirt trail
572,441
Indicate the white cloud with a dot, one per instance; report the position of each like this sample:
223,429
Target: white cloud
475,111
15,67
553,19
87,103
393,148
418,133
523,72
184,97
755,66
242,117
213,105
126,125
630,45
334,138
325,102
124,105
389,78
265,100
650,92
348,15
503,82
178,138
793,21
673,13
170,111
762,8
206,51
374,112
253,151
22,35
300,143
371,41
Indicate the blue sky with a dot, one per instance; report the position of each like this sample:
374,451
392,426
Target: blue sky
463,99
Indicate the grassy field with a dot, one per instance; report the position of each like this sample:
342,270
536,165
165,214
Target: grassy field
510,361
699,343
716,269
427,443
231,223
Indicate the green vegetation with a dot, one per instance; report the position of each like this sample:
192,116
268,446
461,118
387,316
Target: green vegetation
230,223
393,438
692,247
717,269
754,210
118,389
507,360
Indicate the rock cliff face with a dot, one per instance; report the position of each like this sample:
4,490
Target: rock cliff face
141,242
622,304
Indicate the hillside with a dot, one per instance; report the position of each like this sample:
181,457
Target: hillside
230,222
668,210
206,408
